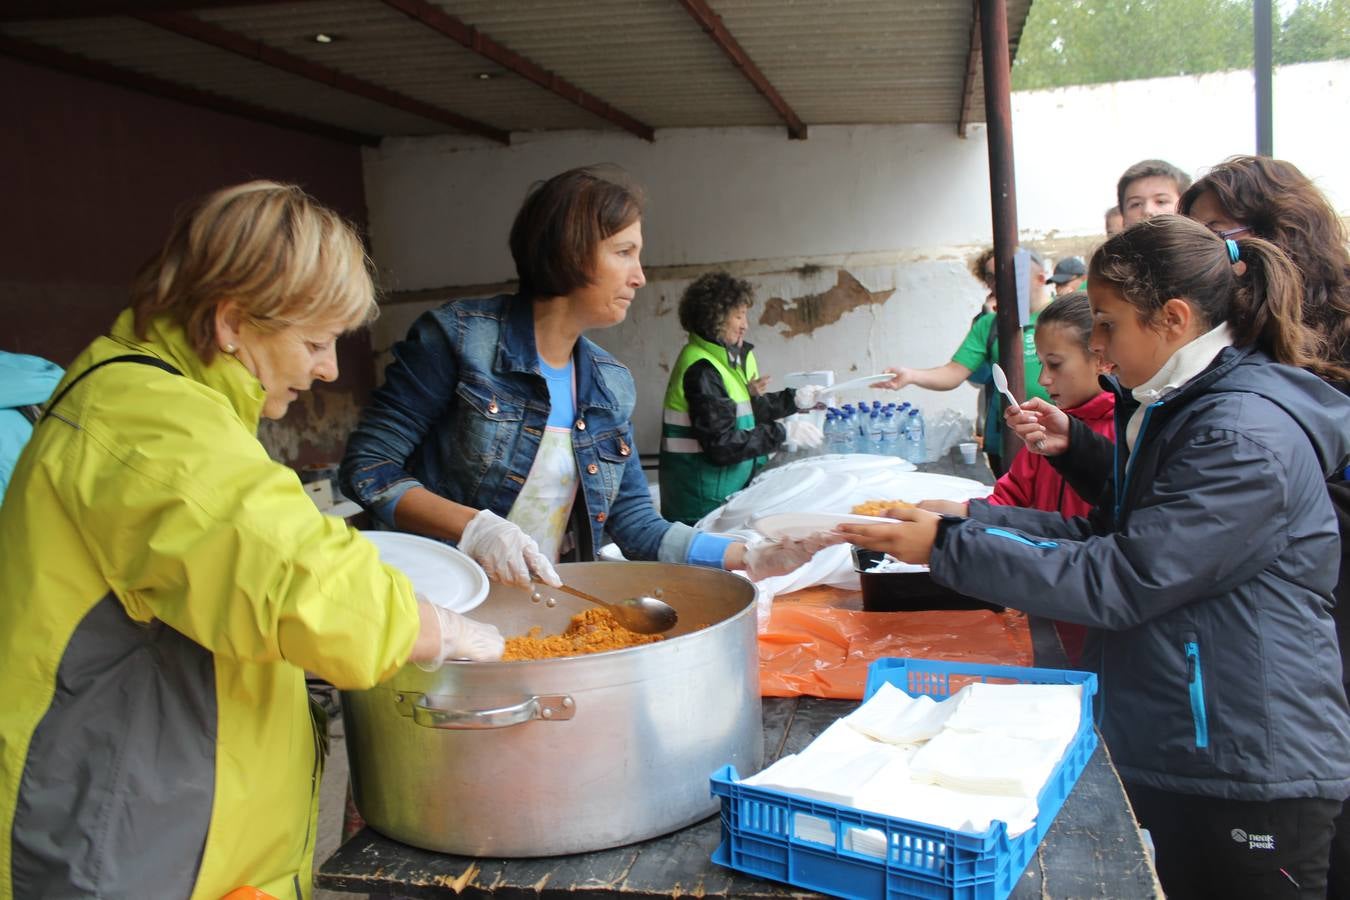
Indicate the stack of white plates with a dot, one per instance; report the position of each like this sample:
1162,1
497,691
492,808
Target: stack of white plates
445,576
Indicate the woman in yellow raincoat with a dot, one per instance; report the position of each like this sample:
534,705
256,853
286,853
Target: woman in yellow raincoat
164,585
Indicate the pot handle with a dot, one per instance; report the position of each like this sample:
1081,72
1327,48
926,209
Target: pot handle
551,708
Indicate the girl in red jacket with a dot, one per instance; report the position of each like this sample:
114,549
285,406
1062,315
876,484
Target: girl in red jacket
1069,371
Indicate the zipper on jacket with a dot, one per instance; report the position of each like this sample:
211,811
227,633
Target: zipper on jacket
1196,681
1134,455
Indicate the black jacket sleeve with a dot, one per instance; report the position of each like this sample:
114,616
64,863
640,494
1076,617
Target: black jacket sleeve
1086,466
712,415
772,407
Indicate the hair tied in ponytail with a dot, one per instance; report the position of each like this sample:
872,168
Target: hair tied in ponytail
1235,257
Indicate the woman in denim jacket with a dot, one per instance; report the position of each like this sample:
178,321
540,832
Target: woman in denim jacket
503,429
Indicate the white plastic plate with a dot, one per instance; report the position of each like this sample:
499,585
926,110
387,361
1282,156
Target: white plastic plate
802,525
768,491
862,382
438,572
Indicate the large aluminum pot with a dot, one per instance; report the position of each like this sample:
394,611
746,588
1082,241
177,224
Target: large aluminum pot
557,756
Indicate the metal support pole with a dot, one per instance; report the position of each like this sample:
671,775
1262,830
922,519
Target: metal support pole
1262,61
1002,198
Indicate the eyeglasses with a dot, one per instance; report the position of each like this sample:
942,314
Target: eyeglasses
1231,232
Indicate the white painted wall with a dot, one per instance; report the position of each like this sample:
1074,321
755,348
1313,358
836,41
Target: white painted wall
440,208
1071,144
897,206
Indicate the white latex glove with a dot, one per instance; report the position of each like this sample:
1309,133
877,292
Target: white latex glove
769,558
803,433
463,638
808,395
505,552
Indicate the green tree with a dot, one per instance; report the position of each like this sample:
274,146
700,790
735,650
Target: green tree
1068,42
1316,30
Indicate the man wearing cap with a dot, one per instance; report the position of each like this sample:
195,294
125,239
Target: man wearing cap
1070,275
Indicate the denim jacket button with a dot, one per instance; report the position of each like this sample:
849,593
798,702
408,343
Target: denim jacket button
592,469
600,517
623,449
581,425
492,407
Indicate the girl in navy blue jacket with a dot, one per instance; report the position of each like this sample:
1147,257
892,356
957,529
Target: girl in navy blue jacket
1206,569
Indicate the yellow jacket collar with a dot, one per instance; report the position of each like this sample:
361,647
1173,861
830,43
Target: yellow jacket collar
225,374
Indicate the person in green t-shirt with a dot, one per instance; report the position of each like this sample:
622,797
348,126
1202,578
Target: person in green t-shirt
973,360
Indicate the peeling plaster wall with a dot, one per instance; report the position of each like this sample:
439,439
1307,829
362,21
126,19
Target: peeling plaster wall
901,325
891,210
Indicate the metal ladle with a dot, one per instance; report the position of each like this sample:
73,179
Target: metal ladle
644,615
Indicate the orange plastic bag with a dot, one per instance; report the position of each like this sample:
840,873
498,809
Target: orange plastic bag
821,651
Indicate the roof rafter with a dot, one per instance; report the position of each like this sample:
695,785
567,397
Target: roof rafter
972,71
247,47
14,10
711,23
467,36
106,72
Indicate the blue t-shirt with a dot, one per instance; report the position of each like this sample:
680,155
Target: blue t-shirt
562,411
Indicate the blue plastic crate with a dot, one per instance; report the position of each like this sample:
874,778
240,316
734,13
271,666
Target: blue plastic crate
760,834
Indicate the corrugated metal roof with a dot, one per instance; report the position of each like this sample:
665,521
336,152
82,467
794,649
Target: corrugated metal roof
383,46
148,50
646,57
832,61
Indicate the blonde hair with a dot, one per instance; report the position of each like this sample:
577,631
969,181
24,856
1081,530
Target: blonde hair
273,249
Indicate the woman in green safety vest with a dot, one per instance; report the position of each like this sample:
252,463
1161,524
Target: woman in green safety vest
718,425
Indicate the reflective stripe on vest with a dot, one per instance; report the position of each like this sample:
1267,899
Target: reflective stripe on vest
691,484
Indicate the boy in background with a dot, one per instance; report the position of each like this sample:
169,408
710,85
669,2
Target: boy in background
1150,188
1115,222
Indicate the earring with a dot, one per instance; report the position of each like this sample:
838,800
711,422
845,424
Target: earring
230,349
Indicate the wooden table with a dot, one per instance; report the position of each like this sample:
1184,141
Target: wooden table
1092,850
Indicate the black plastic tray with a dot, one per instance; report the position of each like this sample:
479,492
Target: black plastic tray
906,591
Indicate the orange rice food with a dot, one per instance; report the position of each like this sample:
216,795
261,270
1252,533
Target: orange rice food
879,507
592,631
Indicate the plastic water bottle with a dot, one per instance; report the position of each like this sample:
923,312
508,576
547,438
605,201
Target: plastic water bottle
923,436
836,438
843,439
890,435
874,433
914,438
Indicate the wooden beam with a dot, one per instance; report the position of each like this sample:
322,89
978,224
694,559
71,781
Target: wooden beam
244,46
711,23
14,10
972,69
110,74
471,38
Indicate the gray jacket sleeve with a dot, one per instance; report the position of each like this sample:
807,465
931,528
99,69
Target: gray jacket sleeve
1213,518
1032,521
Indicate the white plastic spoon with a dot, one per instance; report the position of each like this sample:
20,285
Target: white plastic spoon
1001,382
